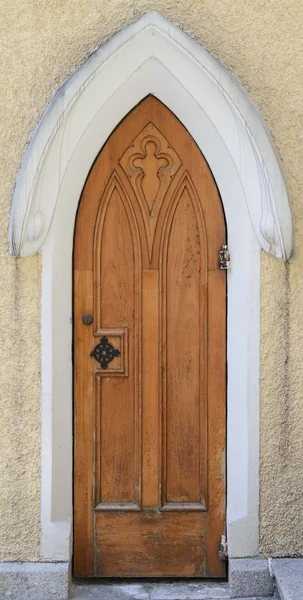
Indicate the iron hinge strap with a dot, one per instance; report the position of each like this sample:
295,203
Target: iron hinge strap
223,550
224,258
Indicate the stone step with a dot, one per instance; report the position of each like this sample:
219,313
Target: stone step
149,591
248,577
153,591
288,574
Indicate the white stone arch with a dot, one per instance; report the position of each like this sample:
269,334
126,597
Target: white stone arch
151,56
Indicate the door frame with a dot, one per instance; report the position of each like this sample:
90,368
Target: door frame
234,140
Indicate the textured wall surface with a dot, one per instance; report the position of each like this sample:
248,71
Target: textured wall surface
41,43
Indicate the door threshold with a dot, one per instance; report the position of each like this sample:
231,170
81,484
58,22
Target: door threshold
149,589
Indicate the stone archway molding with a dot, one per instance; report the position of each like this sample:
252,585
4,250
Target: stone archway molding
151,56
155,46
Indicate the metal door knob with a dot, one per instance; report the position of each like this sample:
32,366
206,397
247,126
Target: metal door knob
87,319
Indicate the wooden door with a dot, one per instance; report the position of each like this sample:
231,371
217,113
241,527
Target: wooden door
150,371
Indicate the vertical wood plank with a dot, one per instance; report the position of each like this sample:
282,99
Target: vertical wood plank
216,417
83,427
150,389
117,298
182,380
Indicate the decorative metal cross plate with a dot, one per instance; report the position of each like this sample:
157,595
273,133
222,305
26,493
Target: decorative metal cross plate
104,352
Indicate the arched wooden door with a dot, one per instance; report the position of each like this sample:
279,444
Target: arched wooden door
150,371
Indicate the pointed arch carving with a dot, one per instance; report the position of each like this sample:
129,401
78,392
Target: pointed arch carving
163,166
114,188
185,186
150,56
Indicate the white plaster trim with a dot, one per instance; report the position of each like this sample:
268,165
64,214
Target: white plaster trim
151,56
76,105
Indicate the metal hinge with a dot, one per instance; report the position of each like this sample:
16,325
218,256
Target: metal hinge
224,258
223,551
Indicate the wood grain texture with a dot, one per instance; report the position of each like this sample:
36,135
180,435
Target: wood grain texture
115,296
183,392
150,544
83,428
150,389
150,431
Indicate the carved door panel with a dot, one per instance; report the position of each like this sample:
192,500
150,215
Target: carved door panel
149,462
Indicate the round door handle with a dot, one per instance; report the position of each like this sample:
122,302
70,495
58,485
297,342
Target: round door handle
87,319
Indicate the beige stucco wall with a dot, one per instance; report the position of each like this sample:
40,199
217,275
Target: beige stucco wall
41,43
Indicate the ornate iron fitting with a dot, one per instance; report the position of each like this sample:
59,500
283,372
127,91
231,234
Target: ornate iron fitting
224,257
104,352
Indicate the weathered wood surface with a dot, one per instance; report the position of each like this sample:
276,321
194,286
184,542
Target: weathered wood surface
150,429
